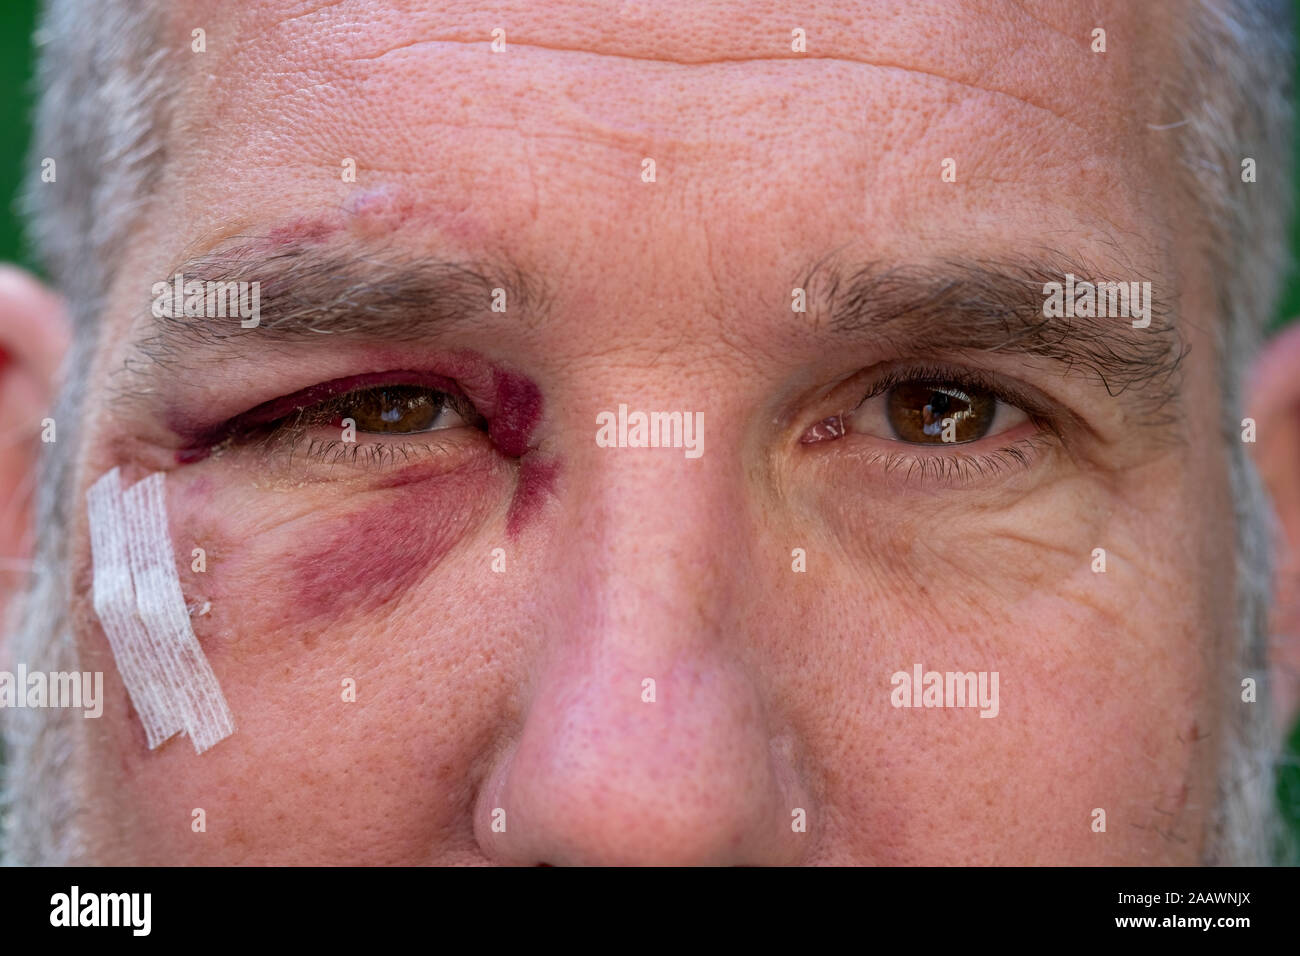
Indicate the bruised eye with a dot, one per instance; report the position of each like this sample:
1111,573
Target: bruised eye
395,408
934,412
403,409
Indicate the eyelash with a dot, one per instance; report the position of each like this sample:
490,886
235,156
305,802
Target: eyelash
955,466
287,432
368,454
1001,389
962,467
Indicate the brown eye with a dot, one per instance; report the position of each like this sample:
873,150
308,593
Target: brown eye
403,409
919,411
933,412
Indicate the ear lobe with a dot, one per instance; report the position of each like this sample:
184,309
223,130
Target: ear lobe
1274,403
34,332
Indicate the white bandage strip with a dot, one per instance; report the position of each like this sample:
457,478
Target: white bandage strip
114,598
178,690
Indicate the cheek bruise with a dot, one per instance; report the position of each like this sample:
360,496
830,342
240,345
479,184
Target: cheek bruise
274,574
376,554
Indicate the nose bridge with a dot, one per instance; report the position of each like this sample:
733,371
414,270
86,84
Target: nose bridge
651,596
650,527
645,738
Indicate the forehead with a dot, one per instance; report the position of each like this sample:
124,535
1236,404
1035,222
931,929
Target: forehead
846,142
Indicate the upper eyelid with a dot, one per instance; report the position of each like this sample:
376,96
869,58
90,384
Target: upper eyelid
1004,390
276,415
277,410
374,448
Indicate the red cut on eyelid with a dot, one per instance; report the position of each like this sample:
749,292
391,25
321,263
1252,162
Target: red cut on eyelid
202,441
279,407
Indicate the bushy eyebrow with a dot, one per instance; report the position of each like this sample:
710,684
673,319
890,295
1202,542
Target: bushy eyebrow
996,305
312,290
308,290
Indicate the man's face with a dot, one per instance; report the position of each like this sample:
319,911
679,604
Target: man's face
772,581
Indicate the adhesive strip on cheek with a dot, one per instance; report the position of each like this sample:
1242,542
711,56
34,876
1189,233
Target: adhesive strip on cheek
143,612
161,605
114,600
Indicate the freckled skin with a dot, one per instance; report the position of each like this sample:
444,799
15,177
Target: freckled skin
522,689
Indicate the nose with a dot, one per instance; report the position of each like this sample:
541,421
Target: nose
648,738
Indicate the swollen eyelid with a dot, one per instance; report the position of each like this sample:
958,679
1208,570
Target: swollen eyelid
393,407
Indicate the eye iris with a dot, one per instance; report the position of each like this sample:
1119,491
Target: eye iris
394,409
917,411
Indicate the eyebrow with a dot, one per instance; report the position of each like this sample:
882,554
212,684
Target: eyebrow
312,290
997,305
307,290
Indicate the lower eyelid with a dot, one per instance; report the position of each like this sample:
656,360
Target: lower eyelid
908,467
371,453
953,465
299,449
311,455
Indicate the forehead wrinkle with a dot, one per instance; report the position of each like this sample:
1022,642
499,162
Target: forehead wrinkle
969,45
716,61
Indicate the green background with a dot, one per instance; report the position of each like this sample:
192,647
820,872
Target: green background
17,19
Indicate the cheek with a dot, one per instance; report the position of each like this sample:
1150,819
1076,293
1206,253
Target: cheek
297,563
365,558
1101,678
306,590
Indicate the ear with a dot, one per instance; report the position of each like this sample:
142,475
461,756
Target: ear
34,331
1274,404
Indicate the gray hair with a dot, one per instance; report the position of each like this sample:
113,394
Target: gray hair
1236,100
103,114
